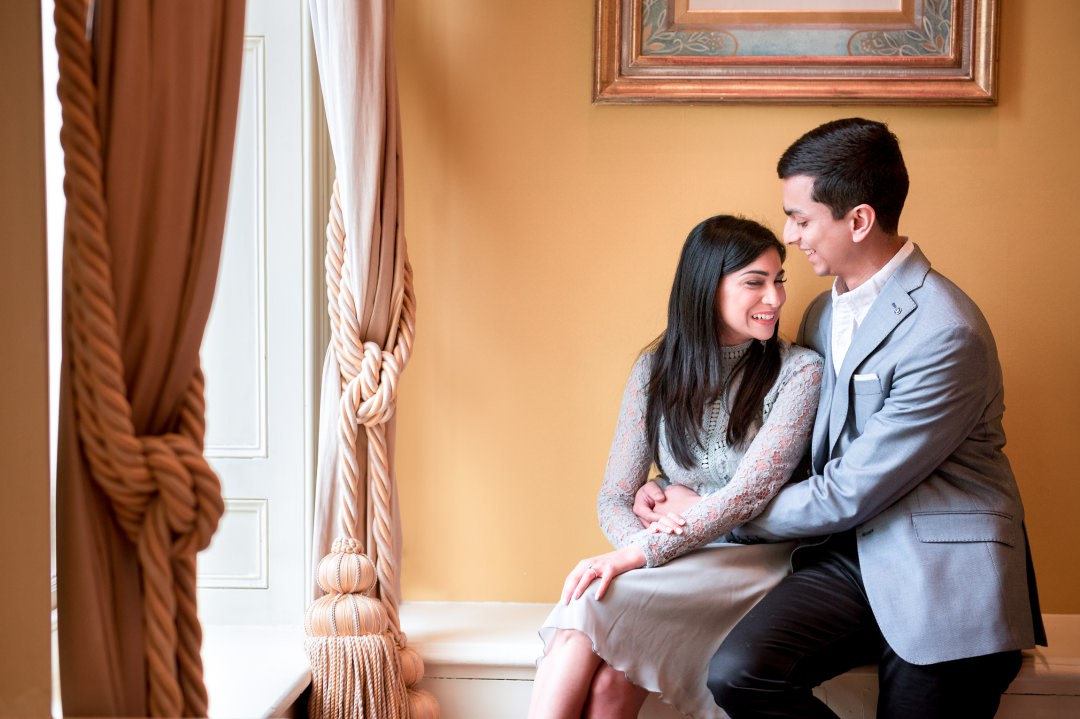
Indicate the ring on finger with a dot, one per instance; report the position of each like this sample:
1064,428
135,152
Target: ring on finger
592,570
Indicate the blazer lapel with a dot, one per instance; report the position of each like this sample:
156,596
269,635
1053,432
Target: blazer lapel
819,450
892,307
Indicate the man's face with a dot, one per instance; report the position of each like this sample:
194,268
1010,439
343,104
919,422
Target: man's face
811,228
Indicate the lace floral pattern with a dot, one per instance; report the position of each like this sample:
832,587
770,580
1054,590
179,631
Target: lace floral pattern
735,483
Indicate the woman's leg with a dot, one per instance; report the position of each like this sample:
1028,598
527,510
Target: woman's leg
564,676
613,696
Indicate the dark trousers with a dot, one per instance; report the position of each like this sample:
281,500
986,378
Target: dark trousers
817,624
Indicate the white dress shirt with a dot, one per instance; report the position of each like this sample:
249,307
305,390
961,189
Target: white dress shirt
850,307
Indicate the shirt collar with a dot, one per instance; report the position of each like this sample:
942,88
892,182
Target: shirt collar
859,300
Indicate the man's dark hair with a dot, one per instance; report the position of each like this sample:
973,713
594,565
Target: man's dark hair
853,162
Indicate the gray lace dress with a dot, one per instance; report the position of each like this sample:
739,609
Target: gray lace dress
662,623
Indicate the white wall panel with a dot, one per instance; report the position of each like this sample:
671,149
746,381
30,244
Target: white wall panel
234,350
238,557
258,348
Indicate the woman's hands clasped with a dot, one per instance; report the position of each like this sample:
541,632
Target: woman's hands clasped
661,510
604,567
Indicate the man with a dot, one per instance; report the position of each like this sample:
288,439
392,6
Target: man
922,565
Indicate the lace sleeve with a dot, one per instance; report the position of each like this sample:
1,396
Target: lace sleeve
768,463
628,461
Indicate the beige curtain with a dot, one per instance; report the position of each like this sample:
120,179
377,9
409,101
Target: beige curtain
158,102
361,665
354,48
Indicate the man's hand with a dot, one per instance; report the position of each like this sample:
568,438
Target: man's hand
645,501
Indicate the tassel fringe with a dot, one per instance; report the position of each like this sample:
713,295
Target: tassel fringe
356,677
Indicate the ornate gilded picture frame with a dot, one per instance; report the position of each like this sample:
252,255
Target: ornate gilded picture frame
797,51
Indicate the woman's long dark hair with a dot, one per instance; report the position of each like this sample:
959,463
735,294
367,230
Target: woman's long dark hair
686,364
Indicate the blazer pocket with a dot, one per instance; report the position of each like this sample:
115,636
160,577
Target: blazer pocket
868,398
966,527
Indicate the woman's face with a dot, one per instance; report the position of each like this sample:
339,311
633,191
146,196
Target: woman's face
748,300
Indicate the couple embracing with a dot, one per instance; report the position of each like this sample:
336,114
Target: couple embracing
820,506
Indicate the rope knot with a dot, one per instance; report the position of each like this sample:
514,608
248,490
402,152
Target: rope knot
370,396
186,487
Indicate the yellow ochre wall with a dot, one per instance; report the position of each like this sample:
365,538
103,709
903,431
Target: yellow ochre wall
544,232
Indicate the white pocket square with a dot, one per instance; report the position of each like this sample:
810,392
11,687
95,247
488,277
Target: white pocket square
865,377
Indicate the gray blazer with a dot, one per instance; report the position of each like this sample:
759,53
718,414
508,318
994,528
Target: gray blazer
907,449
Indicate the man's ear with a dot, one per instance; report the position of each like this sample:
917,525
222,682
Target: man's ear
861,219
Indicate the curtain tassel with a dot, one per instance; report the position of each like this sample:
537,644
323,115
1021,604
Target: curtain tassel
355,668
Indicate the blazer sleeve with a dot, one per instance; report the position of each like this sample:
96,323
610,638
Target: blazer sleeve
935,401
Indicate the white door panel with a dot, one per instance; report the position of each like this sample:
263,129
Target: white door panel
256,353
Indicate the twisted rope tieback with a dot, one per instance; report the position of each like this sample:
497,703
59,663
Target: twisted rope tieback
164,495
369,376
360,663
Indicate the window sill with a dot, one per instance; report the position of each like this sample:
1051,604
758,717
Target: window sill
254,671
475,640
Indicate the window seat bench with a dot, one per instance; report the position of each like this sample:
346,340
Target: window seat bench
480,658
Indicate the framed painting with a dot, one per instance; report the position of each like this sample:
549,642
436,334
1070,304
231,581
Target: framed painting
797,51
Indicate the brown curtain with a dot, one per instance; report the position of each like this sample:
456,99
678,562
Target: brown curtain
166,79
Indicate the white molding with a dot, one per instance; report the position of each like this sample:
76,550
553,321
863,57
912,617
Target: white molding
258,575
254,58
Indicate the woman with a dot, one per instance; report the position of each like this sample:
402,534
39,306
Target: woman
723,408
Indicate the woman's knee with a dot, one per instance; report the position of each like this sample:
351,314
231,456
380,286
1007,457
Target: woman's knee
610,682
612,694
568,638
